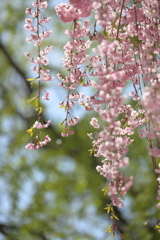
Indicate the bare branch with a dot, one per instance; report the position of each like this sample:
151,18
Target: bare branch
15,66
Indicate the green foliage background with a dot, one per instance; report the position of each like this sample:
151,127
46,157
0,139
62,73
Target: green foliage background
55,193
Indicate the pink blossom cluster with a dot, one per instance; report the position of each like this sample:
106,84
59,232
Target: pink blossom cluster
76,95
80,4
72,121
40,4
94,123
152,106
75,55
39,125
37,38
46,97
118,183
117,49
38,144
66,134
157,171
35,24
70,13
127,51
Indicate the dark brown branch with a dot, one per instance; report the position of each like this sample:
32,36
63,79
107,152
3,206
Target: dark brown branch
15,66
5,227
120,20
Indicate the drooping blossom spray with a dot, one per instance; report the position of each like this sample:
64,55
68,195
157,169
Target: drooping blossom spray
35,24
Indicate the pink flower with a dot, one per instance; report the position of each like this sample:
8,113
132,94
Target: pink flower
69,13
71,132
90,135
79,3
47,94
39,125
46,77
38,42
34,37
134,96
45,34
72,121
43,60
47,138
44,20
98,168
29,11
94,123
27,55
46,50
40,4
30,146
64,134
28,21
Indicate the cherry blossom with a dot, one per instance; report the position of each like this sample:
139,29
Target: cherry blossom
126,51
125,36
40,61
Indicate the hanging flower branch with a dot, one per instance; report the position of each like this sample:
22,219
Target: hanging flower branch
35,24
75,55
127,52
127,40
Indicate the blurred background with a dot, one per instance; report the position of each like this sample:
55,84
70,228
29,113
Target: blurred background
55,193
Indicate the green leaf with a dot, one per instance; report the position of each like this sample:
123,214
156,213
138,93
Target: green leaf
91,151
134,40
105,34
81,80
36,103
157,226
63,106
60,125
31,99
109,229
39,109
30,131
115,216
105,190
31,79
108,208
